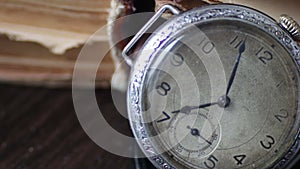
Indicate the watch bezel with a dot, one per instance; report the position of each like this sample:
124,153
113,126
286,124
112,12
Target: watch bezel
178,23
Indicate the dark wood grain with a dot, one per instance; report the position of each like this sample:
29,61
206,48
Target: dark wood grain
39,129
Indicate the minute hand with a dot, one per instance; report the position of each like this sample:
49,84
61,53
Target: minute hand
236,64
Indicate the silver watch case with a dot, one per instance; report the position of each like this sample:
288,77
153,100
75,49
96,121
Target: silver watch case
178,23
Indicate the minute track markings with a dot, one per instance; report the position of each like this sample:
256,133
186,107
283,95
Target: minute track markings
279,84
273,46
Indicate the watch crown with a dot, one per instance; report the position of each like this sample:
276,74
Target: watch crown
290,25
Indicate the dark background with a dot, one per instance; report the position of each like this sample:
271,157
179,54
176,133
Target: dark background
39,130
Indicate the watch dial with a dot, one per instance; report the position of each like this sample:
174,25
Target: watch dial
201,122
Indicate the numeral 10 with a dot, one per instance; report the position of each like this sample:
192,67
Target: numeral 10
206,45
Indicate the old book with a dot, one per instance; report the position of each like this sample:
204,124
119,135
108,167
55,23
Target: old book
40,40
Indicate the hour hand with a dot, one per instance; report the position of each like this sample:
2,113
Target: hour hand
187,109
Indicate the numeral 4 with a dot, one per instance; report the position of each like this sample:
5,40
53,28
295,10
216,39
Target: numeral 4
239,159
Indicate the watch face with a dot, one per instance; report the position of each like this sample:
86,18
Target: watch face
221,93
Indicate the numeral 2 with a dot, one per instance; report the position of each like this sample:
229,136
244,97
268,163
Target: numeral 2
283,115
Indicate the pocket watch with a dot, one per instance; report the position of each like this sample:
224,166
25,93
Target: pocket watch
216,87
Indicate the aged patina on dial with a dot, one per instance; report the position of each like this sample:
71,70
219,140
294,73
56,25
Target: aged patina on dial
249,119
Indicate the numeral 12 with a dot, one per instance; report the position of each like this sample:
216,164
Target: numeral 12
264,55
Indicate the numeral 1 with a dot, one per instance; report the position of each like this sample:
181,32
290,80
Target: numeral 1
236,42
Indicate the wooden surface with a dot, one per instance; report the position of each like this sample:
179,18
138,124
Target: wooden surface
39,130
